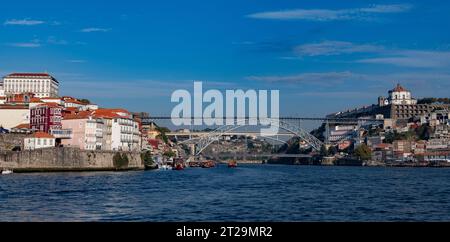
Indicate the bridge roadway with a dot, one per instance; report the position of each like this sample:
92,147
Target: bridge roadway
234,133
267,155
326,119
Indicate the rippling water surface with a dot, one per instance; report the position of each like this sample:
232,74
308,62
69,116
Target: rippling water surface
248,193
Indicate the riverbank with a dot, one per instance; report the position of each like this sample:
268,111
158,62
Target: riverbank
68,160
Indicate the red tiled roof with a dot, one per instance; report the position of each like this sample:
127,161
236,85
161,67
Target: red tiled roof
109,113
20,98
50,105
74,101
22,126
13,106
399,88
41,135
18,75
383,146
80,115
35,100
440,153
71,109
28,74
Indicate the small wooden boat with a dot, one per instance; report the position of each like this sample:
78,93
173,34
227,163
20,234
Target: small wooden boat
232,164
209,164
195,164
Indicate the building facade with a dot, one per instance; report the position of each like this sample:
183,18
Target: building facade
39,140
87,132
46,117
121,130
2,90
14,115
41,84
400,96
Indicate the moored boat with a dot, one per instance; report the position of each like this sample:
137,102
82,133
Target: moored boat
232,164
7,172
209,164
179,167
179,164
165,167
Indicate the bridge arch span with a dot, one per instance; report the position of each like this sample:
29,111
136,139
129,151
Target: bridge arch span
205,141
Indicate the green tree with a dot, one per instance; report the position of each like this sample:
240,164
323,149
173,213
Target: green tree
147,158
318,133
363,152
85,101
424,132
162,136
333,150
169,154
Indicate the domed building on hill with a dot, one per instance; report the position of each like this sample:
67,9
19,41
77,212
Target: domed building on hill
397,96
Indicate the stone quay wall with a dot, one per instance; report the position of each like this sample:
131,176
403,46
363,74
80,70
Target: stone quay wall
68,159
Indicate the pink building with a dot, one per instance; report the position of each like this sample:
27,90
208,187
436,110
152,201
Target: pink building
87,132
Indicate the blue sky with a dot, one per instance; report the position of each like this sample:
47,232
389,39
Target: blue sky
323,56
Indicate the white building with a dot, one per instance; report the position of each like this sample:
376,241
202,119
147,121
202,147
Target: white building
2,94
14,115
436,144
2,90
39,140
41,84
122,131
340,132
56,100
401,96
397,96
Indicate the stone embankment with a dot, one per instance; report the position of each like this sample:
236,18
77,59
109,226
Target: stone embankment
69,159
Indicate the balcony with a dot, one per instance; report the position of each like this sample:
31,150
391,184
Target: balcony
61,133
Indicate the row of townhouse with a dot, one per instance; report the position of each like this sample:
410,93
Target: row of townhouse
85,128
412,150
102,129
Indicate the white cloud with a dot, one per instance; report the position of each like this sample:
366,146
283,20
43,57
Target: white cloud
54,41
393,8
24,22
322,15
425,83
90,30
26,45
335,48
412,58
312,78
378,54
76,61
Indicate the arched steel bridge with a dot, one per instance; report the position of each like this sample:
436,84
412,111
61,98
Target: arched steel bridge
282,123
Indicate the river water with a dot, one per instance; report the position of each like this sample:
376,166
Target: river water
248,193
